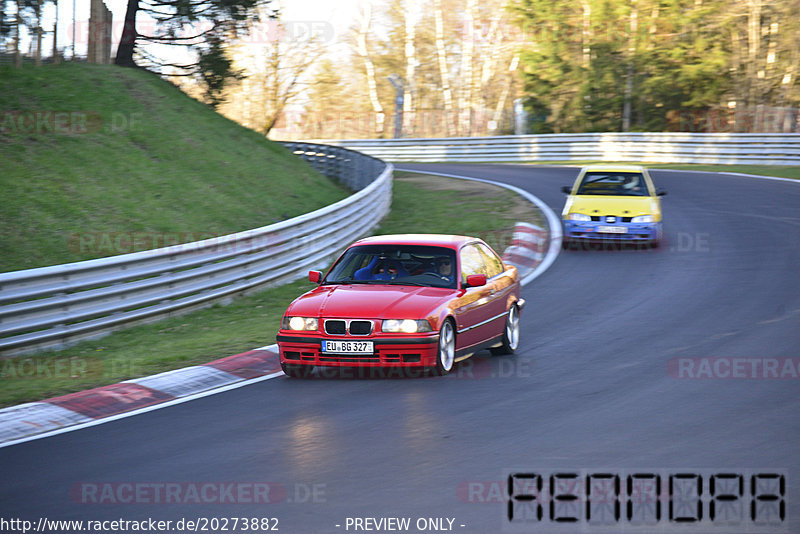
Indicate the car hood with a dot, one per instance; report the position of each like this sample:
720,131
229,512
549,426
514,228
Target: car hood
612,205
370,301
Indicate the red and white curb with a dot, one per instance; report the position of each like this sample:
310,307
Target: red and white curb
74,411
527,249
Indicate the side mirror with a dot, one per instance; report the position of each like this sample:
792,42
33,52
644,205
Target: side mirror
314,276
476,280
566,189
661,192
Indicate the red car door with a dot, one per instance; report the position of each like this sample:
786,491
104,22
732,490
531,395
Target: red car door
500,287
475,307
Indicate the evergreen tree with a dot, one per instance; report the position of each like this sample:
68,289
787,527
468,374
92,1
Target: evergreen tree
210,23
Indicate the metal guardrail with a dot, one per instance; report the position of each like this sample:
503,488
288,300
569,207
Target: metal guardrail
49,307
715,148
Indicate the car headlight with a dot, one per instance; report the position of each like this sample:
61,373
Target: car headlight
643,219
578,217
299,323
405,326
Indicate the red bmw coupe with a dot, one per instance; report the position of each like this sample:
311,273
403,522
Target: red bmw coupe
412,301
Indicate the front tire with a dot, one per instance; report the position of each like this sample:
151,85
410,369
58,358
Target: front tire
510,333
446,353
296,371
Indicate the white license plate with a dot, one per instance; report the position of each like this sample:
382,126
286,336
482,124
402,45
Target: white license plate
348,347
612,230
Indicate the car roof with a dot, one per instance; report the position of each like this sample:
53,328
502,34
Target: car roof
613,168
441,240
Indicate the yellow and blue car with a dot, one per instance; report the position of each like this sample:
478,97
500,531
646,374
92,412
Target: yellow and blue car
613,203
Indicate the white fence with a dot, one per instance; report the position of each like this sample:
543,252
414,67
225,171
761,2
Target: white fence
60,304
767,149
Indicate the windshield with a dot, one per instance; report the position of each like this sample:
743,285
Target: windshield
395,264
613,183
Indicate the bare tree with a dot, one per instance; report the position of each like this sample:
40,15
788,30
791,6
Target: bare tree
631,57
56,58
465,103
272,73
409,15
503,99
365,21
444,69
18,33
37,12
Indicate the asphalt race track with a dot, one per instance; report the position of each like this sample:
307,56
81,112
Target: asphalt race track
669,361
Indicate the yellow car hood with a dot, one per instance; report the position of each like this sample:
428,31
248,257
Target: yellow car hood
612,205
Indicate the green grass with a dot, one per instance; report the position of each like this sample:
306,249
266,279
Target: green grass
420,204
130,154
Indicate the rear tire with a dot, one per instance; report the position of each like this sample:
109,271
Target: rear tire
510,333
296,371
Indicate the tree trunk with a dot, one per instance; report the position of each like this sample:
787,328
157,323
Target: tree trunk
501,102
17,35
127,42
465,101
366,20
586,35
753,48
491,57
56,59
444,74
628,95
38,56
411,66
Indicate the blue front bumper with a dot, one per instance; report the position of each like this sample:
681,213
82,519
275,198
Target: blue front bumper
634,232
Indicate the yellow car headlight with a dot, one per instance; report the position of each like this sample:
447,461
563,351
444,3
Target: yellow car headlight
405,326
579,217
643,219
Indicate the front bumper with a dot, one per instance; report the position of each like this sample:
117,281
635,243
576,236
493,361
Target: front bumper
305,349
592,230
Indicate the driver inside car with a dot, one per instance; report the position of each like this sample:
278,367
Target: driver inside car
381,268
444,267
631,185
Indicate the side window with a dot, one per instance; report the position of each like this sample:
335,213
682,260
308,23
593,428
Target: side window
494,265
471,262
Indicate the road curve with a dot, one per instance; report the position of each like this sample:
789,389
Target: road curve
595,385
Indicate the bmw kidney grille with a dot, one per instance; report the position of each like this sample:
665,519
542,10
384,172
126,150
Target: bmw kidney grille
341,327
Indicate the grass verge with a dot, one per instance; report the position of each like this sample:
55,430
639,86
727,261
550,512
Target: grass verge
420,204
99,160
